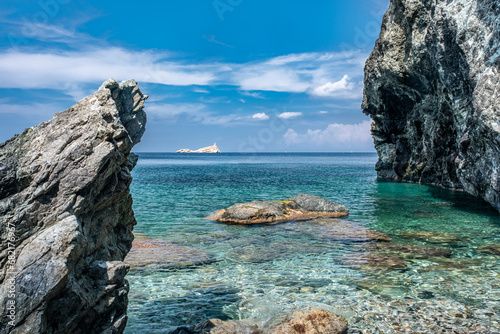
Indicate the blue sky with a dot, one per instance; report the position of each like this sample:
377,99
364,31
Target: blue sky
253,76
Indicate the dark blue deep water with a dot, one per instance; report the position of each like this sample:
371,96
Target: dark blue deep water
262,272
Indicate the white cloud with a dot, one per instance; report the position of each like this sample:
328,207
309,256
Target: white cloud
260,116
323,112
167,110
276,80
255,95
289,115
197,112
63,70
200,90
350,135
90,61
342,88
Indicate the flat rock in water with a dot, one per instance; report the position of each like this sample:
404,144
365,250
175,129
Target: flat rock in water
160,254
370,261
490,249
254,254
311,321
300,207
408,251
345,231
453,264
432,237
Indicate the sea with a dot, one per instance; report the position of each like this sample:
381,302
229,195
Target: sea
265,272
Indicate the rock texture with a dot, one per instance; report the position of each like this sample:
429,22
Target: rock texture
300,207
208,149
311,321
432,89
66,216
158,254
342,230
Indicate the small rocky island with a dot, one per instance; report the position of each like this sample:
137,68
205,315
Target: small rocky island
208,149
300,207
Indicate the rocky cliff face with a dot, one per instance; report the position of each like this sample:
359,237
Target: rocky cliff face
432,89
66,218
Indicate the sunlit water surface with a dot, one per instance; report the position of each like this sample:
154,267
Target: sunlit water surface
263,272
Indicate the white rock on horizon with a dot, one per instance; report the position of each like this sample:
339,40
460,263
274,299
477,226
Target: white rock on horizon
208,149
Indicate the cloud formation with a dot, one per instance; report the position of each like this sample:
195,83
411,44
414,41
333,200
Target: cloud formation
91,61
342,88
350,135
260,116
289,114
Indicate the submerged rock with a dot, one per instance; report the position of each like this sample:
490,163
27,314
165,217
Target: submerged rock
371,261
300,207
344,231
66,215
432,90
490,249
159,254
432,237
384,286
408,251
445,264
310,321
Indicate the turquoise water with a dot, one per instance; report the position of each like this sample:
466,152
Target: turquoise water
262,272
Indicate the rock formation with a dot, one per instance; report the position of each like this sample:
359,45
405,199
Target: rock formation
432,90
300,207
66,216
208,149
311,321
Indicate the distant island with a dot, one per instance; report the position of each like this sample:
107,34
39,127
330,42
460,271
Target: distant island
208,149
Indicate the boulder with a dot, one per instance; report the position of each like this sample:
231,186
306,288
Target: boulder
66,216
312,321
258,212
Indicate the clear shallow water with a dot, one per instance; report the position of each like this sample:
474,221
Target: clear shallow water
263,272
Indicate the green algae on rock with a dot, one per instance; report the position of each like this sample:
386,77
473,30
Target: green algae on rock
300,207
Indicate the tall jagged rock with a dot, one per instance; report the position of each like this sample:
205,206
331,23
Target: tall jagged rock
432,89
66,216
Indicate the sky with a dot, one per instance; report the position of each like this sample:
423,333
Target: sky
250,75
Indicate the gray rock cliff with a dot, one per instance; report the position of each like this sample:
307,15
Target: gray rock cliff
432,89
66,216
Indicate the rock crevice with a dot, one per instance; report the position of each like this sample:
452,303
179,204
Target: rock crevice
66,216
